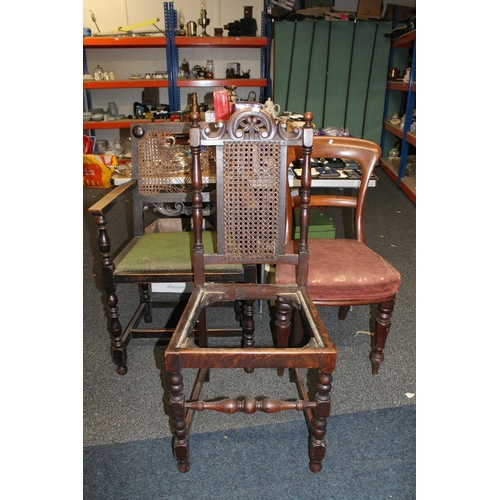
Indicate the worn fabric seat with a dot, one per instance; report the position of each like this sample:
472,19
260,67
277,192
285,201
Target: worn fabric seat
365,275
169,252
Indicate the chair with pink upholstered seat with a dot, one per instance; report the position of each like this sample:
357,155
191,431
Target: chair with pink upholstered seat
346,272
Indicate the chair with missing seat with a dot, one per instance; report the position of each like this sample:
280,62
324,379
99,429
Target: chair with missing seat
161,184
252,176
346,272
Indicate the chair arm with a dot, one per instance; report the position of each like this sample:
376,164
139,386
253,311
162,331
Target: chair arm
107,202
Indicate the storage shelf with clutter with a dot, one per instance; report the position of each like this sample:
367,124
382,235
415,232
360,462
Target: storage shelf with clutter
172,81
400,161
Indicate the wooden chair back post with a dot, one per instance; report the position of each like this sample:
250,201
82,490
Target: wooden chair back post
305,199
195,141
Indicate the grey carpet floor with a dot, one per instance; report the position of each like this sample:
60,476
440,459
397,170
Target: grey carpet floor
131,408
370,456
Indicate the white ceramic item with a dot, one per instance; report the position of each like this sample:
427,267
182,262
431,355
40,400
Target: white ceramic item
271,108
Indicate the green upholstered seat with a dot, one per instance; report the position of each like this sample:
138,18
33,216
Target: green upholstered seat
171,251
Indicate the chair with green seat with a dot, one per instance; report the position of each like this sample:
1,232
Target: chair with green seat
161,184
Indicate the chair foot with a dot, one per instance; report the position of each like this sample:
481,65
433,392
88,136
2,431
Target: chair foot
178,414
317,451
121,369
119,356
315,466
181,453
383,323
183,467
317,443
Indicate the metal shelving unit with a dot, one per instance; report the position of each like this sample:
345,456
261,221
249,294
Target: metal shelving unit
171,44
398,173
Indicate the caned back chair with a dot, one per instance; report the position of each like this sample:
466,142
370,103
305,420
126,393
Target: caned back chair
252,176
161,184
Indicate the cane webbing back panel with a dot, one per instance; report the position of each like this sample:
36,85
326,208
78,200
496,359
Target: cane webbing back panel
252,175
163,167
251,199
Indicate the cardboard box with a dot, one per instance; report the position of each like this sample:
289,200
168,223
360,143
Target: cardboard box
168,225
404,12
369,9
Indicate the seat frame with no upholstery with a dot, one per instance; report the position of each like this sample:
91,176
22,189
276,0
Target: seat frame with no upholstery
252,176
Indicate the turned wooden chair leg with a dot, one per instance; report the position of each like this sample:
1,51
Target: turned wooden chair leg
118,346
178,413
248,326
248,323
237,311
317,444
383,323
283,326
146,300
247,312
343,310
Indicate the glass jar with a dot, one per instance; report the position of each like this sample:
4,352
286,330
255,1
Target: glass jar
98,73
209,69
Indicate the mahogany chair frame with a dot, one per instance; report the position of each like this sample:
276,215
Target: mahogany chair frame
367,154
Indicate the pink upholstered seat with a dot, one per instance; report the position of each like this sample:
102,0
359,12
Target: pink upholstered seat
346,272
343,270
